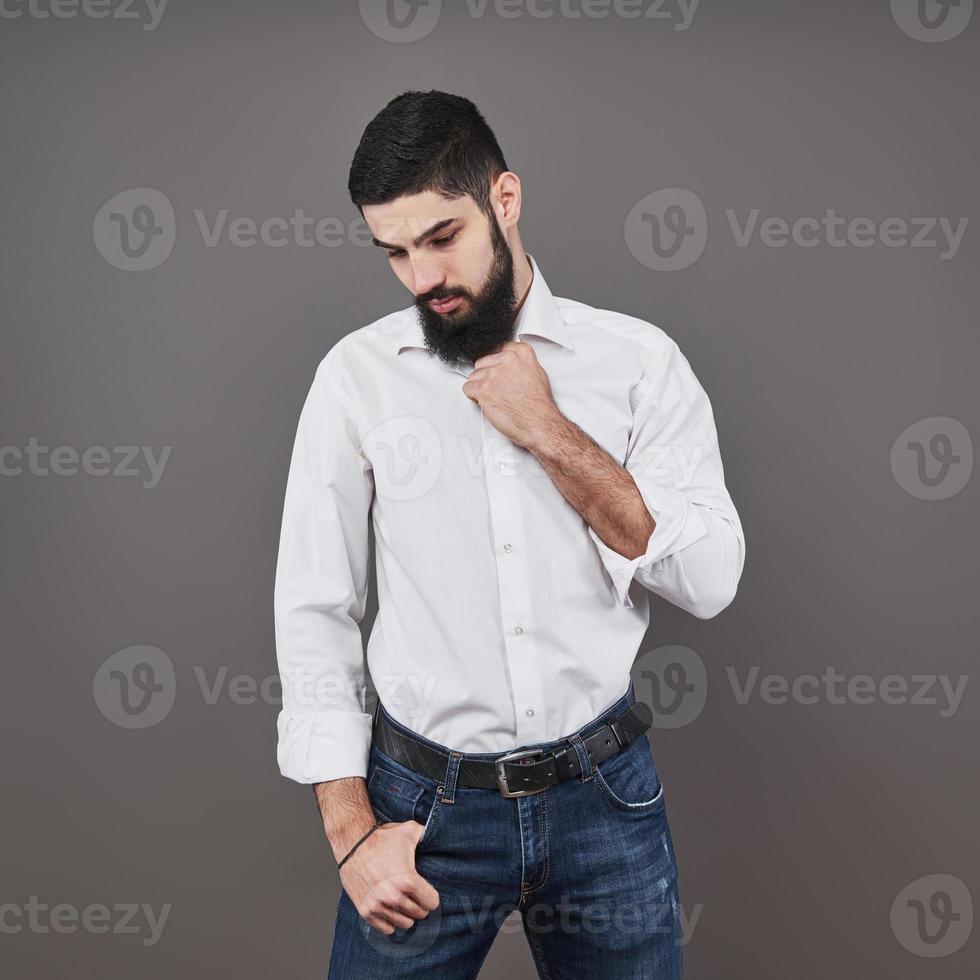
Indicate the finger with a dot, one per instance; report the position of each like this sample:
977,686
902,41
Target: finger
423,892
406,905
382,925
395,918
488,359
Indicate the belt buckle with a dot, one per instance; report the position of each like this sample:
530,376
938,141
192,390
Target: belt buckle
505,790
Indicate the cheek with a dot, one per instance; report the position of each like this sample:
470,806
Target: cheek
470,267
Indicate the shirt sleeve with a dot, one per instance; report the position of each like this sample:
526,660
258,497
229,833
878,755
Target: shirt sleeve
695,555
320,592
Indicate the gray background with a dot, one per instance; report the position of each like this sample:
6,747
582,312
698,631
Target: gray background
796,826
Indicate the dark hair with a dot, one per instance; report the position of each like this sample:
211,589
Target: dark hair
426,141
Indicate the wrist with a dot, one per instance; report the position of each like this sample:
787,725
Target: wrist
344,837
357,844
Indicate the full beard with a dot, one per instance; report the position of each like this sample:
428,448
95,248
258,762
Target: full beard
482,323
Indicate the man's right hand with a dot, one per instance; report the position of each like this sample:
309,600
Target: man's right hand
381,880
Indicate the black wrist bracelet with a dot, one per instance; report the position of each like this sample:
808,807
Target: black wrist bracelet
358,844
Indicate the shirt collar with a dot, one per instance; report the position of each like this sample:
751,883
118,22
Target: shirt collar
539,316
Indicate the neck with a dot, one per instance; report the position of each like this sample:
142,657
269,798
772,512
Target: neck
523,276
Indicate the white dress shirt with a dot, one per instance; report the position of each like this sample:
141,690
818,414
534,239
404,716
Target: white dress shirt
503,619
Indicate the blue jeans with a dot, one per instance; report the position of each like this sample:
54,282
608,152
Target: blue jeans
589,864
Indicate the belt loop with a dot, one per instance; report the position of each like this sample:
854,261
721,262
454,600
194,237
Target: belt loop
614,725
585,763
448,789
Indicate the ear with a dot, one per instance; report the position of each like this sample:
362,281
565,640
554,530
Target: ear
505,196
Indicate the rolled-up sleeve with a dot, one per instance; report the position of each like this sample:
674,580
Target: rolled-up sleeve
320,592
695,555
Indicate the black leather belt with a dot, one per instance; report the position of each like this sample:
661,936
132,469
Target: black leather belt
523,771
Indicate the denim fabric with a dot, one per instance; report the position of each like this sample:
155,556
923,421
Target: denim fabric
589,864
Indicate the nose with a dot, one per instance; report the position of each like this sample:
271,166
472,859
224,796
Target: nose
427,277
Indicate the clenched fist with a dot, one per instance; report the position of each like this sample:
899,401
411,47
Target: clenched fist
381,880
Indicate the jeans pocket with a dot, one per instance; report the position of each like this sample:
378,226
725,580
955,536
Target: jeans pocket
393,796
629,780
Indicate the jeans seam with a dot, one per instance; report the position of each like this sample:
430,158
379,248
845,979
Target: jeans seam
520,827
545,844
643,806
540,958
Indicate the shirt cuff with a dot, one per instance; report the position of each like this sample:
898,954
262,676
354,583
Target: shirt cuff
679,524
317,747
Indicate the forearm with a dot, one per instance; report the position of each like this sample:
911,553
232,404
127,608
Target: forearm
346,812
598,487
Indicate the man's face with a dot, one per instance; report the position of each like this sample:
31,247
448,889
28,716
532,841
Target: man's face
463,260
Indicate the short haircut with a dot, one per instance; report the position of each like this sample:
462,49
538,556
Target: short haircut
426,141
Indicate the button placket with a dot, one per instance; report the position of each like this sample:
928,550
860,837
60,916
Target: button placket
505,482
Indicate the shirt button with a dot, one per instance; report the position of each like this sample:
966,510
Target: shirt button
519,631
530,712
508,547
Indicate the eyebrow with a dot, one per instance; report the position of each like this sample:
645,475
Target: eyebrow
425,236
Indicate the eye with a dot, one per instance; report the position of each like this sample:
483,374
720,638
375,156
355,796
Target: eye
396,253
446,240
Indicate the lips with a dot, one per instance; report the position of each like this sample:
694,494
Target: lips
445,305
